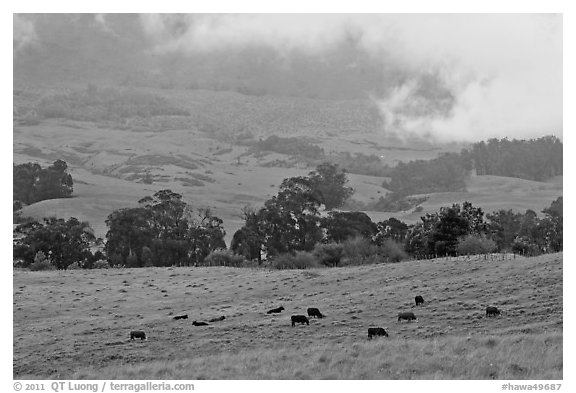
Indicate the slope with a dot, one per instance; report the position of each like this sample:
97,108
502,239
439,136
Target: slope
76,324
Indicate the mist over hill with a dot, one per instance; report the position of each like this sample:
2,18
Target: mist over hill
74,49
439,77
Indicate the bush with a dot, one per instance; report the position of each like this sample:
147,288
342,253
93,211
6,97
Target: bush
132,260
74,266
41,263
393,251
224,258
524,246
40,266
101,264
474,245
359,251
328,254
301,260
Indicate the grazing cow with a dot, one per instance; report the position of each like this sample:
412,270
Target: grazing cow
199,323
276,310
376,332
314,312
419,300
177,317
492,311
409,316
137,334
217,319
299,319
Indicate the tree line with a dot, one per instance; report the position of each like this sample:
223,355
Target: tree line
298,227
535,159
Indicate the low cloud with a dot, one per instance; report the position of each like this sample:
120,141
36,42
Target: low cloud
493,74
504,71
24,33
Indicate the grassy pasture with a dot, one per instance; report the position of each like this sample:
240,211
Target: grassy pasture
76,324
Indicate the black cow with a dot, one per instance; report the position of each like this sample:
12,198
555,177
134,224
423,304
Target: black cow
199,323
419,300
299,319
137,334
276,310
409,316
492,311
377,332
217,319
314,312
177,317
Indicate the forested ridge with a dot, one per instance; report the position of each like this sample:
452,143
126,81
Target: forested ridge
535,159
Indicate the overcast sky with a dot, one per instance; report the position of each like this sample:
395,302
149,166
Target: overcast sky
505,70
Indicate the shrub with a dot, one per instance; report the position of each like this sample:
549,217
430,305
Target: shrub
359,251
41,263
300,260
393,251
74,266
474,244
328,254
101,264
224,258
524,246
132,260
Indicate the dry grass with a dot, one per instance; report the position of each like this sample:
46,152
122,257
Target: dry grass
490,357
76,324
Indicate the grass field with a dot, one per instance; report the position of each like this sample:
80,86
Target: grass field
76,324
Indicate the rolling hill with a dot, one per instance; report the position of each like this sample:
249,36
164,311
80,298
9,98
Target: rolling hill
76,324
115,163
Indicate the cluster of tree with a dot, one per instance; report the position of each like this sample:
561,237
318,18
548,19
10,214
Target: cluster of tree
32,183
162,232
63,242
455,230
290,146
526,233
360,164
534,159
438,233
443,174
95,104
291,222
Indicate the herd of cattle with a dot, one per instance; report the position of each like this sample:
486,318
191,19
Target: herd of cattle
491,311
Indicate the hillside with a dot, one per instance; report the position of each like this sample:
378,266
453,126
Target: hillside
491,193
201,155
76,324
